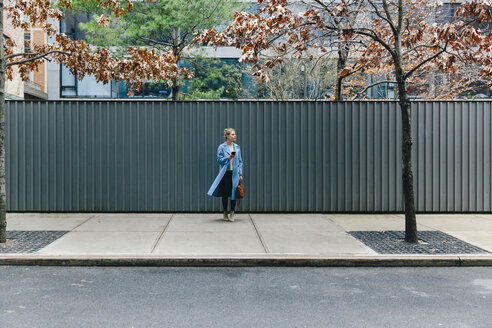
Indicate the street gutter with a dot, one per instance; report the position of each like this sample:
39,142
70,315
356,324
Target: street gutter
235,260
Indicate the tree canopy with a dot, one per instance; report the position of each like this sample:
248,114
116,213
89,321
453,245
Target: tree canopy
328,26
401,34
160,25
139,65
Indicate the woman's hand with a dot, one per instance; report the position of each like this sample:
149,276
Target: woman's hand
231,156
240,179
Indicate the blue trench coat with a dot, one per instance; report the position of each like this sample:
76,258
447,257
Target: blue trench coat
237,169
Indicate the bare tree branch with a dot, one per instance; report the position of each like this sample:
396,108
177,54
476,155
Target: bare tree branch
34,58
437,54
373,36
400,15
419,46
370,86
317,61
164,43
21,54
386,19
192,29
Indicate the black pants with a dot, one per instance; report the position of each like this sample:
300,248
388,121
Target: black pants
225,190
224,204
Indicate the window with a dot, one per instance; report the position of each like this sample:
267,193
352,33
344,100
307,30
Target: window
27,41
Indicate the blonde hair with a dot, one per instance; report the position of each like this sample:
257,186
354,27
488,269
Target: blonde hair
228,131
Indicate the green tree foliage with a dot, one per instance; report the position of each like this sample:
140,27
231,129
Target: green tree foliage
300,79
139,64
214,79
162,25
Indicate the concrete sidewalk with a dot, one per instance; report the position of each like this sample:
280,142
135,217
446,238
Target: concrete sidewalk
153,239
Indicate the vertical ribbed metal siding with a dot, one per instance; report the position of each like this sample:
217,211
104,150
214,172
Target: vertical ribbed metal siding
114,156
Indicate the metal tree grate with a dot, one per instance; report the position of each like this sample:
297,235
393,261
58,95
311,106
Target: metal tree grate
29,241
430,242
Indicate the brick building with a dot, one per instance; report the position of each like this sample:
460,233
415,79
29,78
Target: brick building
36,87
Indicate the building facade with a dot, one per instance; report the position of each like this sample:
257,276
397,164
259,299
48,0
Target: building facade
36,87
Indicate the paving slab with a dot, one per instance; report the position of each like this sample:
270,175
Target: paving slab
369,217
453,217
463,223
51,215
214,222
209,242
370,222
198,215
294,218
135,215
302,242
305,234
103,242
32,223
485,223
124,223
304,222
167,236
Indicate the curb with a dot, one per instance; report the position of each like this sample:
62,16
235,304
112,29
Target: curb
248,261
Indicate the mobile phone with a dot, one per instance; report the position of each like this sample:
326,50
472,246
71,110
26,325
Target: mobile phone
233,153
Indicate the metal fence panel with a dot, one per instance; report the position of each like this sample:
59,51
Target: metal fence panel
299,156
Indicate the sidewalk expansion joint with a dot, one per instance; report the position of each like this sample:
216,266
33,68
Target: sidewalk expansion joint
162,234
85,221
258,234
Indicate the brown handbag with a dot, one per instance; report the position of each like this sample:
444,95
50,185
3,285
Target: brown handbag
240,190
239,193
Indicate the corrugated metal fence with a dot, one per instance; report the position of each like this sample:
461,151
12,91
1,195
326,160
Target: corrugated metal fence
138,156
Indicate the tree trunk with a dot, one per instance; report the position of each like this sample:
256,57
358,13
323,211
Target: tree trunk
175,80
3,209
176,33
175,89
175,84
407,174
341,63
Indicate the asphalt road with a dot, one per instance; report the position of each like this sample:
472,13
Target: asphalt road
38,297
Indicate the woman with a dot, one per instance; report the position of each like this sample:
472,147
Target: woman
230,173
